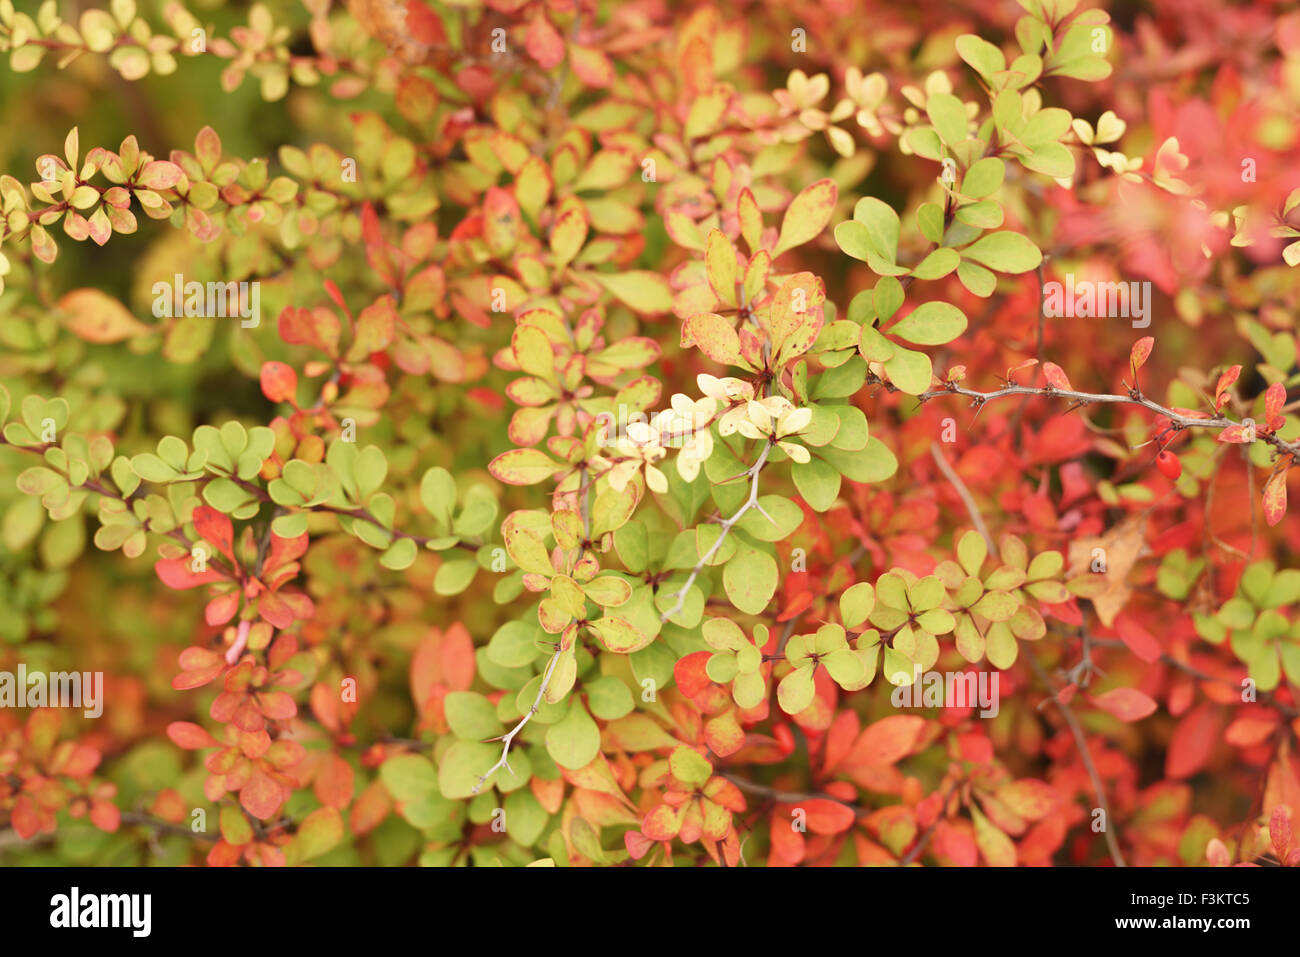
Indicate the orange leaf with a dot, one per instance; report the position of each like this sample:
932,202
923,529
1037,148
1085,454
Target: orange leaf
1127,704
887,740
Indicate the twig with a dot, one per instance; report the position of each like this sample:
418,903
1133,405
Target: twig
1178,420
964,492
727,525
510,735
1081,744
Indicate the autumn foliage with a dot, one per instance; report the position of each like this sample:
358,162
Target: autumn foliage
588,433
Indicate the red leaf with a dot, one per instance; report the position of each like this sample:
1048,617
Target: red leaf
827,817
215,528
1138,356
26,822
190,736
279,382
1127,704
1239,434
1192,742
1279,830
1056,377
1139,641
423,24
175,573
334,782
689,673
105,816
1225,382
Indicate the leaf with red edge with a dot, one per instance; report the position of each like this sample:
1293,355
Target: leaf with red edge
1139,641
261,796
1137,356
1274,496
1029,798
1274,399
827,817
1127,704
279,382
663,823
1193,741
1225,383
637,844
544,43
1237,434
1056,377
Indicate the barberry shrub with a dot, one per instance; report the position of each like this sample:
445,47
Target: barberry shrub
679,434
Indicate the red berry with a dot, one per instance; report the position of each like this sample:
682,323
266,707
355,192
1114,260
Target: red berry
1169,465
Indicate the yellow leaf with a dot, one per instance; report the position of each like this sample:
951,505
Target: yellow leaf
96,317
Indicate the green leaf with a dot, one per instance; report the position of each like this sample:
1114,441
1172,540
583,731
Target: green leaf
608,698
409,777
1004,251
931,324
983,57
983,178
909,370
796,690
881,225
948,114
689,766
471,716
750,579
438,495
319,832
818,483
574,741
455,576
401,554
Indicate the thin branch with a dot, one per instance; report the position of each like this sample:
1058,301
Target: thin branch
727,525
510,735
971,508
1081,743
791,797
1178,420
